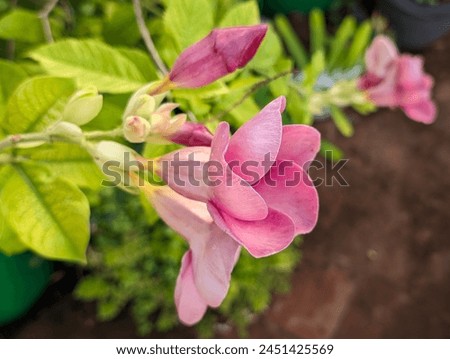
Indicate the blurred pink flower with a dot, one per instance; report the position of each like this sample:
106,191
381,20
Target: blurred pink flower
259,193
394,80
222,52
206,267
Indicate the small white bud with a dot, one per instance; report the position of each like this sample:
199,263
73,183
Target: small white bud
83,106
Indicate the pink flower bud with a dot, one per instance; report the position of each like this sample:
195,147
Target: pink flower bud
192,134
222,52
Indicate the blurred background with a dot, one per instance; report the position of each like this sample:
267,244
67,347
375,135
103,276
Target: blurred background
376,266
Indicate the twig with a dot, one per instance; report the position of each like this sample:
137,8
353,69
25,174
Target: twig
145,34
43,15
250,92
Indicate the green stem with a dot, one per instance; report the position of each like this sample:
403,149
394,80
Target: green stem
14,140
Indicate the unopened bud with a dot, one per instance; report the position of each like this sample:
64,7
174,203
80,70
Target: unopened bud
66,129
143,102
136,129
192,134
83,106
114,155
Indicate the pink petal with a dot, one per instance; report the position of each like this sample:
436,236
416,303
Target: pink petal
300,144
214,261
231,193
189,218
256,143
261,238
192,134
190,305
288,189
380,55
218,54
385,94
410,71
184,171
213,253
424,112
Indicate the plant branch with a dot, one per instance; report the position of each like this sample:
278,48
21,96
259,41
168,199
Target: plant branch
39,137
43,15
250,92
145,34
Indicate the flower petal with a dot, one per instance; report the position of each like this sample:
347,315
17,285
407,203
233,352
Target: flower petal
288,189
218,54
261,238
184,171
214,261
189,218
380,55
191,307
254,146
424,111
231,193
299,143
385,93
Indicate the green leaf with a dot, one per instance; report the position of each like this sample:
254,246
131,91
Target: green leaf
270,51
339,44
246,13
188,21
119,27
36,104
142,61
341,121
318,30
92,288
90,62
49,215
22,25
68,161
11,75
9,242
330,151
360,43
292,41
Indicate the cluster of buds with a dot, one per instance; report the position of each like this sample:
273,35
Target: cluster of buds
146,119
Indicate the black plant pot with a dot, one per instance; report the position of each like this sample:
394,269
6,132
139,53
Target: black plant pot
416,25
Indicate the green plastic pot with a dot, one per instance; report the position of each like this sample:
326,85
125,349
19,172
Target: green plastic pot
23,278
270,7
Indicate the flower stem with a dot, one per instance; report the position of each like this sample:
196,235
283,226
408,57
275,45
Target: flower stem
43,15
39,137
145,34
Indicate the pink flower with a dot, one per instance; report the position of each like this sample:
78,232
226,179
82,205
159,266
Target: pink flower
206,267
255,184
394,80
222,52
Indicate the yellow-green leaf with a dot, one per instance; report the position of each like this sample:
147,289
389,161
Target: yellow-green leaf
90,62
36,104
50,215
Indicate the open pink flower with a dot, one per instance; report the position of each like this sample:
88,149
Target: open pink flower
255,183
394,80
222,52
206,267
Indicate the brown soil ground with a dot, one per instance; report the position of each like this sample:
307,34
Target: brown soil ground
376,266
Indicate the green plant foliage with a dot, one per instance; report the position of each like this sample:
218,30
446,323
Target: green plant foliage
134,263
36,104
52,216
91,62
